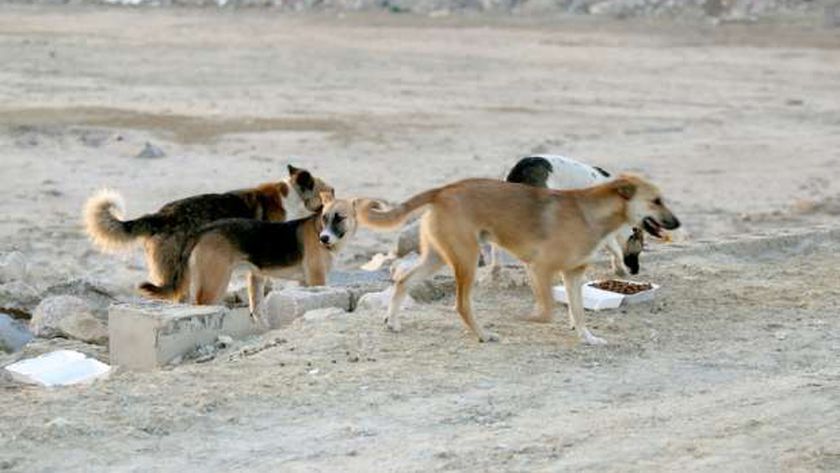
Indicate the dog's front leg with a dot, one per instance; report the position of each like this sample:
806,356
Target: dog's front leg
256,291
573,280
617,256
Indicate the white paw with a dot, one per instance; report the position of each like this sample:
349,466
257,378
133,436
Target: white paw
589,339
488,337
393,324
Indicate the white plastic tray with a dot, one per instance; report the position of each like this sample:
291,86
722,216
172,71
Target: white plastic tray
58,368
598,299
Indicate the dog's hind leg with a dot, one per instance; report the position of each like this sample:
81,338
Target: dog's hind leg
256,291
462,256
430,262
573,280
541,281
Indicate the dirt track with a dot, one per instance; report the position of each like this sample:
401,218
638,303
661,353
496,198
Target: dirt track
732,369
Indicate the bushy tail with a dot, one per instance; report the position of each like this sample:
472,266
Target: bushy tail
102,214
371,215
176,285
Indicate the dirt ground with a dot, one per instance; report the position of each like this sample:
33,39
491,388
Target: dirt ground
733,368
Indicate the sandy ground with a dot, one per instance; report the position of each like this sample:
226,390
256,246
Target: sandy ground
733,368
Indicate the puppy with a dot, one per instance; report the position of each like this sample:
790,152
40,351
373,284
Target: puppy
559,172
549,230
300,249
164,233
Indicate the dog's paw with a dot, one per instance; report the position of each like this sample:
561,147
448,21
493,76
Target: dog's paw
589,339
487,337
393,324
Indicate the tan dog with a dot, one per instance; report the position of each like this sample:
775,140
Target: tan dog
549,230
300,249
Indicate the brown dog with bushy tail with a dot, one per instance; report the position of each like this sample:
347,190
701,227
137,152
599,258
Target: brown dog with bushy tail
165,232
549,230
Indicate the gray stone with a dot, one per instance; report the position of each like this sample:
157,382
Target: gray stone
14,334
84,327
18,298
409,239
379,300
281,307
92,292
47,318
433,289
359,283
149,334
150,151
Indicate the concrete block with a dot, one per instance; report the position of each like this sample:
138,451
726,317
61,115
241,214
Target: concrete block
281,307
146,335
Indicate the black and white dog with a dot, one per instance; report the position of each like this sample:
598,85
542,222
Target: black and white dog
559,172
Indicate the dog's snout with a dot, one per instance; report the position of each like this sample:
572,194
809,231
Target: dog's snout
325,238
671,223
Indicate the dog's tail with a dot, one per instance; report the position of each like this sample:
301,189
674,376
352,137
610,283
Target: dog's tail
176,284
371,213
102,214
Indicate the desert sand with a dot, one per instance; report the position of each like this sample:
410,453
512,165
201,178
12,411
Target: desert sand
732,368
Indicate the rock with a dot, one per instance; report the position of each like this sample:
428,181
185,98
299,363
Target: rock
379,300
150,151
14,267
92,292
281,307
318,315
409,239
359,283
434,289
14,334
48,315
18,298
378,261
84,327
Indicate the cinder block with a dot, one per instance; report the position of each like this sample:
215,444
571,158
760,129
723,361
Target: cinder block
146,335
281,307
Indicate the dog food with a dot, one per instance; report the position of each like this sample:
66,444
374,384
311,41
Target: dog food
622,287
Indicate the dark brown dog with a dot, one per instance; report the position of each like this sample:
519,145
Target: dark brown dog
164,233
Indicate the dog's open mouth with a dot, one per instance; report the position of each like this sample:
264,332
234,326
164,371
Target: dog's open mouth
653,227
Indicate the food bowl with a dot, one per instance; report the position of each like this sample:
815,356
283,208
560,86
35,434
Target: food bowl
600,299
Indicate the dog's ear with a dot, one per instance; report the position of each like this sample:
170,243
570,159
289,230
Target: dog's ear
304,180
327,196
293,170
625,189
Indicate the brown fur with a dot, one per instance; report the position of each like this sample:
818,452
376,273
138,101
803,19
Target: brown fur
291,250
550,230
165,232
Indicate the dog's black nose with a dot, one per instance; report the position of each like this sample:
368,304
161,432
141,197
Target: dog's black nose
672,224
325,238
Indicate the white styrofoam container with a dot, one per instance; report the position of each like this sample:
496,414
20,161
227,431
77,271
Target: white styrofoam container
599,299
58,368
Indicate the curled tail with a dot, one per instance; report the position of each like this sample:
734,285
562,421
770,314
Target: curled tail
176,284
370,213
102,214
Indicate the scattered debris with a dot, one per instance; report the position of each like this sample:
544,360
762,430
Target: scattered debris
150,151
58,368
